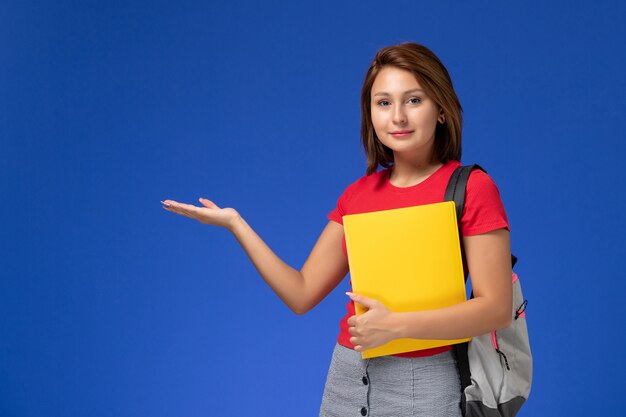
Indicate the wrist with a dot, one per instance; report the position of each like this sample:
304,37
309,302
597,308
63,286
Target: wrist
236,224
399,326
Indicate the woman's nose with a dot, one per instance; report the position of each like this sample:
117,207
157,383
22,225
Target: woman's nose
399,115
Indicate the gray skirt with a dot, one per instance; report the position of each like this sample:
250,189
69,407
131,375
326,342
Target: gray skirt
391,386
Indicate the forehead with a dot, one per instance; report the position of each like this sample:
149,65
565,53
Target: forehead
392,80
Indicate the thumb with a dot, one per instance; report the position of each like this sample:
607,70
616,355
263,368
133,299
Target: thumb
208,203
364,301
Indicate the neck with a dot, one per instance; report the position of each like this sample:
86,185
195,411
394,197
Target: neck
411,171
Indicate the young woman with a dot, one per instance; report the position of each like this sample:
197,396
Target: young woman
411,127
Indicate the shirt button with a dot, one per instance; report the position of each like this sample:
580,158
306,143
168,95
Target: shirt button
365,382
363,411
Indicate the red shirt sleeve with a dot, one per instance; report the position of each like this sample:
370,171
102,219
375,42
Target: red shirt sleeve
484,210
339,211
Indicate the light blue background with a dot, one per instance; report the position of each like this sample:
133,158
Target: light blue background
110,306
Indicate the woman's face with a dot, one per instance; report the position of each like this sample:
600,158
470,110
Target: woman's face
403,116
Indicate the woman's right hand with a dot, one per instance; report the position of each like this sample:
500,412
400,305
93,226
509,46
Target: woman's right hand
209,213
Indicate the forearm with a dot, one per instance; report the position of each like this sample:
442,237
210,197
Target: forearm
286,281
468,319
300,290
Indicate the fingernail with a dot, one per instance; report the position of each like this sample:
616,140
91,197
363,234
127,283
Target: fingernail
165,204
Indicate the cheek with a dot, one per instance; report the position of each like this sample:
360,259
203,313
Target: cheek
427,120
378,122
430,122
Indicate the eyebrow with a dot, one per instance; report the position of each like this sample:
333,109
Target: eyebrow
415,90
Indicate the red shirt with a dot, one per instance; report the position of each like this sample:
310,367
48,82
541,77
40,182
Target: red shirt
483,213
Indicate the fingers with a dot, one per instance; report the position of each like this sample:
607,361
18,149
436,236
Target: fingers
168,205
187,210
356,338
173,204
364,301
176,206
208,203
358,343
369,329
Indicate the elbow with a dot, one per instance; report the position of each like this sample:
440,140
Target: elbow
301,309
302,304
501,314
503,320
499,317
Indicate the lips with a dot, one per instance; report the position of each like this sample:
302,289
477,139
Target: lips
400,133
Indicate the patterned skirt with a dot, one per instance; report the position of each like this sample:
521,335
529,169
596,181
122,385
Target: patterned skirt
391,386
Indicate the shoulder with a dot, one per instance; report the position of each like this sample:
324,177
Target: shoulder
346,200
479,182
483,209
366,182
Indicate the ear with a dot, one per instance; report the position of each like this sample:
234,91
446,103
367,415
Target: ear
442,117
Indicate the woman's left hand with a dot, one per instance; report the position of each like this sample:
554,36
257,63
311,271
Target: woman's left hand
372,328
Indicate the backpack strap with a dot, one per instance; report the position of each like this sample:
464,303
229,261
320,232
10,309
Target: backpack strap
457,186
456,192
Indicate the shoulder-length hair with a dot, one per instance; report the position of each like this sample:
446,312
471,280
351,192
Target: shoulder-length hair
435,80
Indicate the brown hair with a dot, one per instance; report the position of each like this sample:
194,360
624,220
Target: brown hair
434,78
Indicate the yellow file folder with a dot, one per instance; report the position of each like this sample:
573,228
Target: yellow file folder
410,260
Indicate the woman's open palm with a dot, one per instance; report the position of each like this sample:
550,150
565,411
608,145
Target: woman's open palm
209,213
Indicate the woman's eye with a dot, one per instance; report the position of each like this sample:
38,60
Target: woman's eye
415,100
383,103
